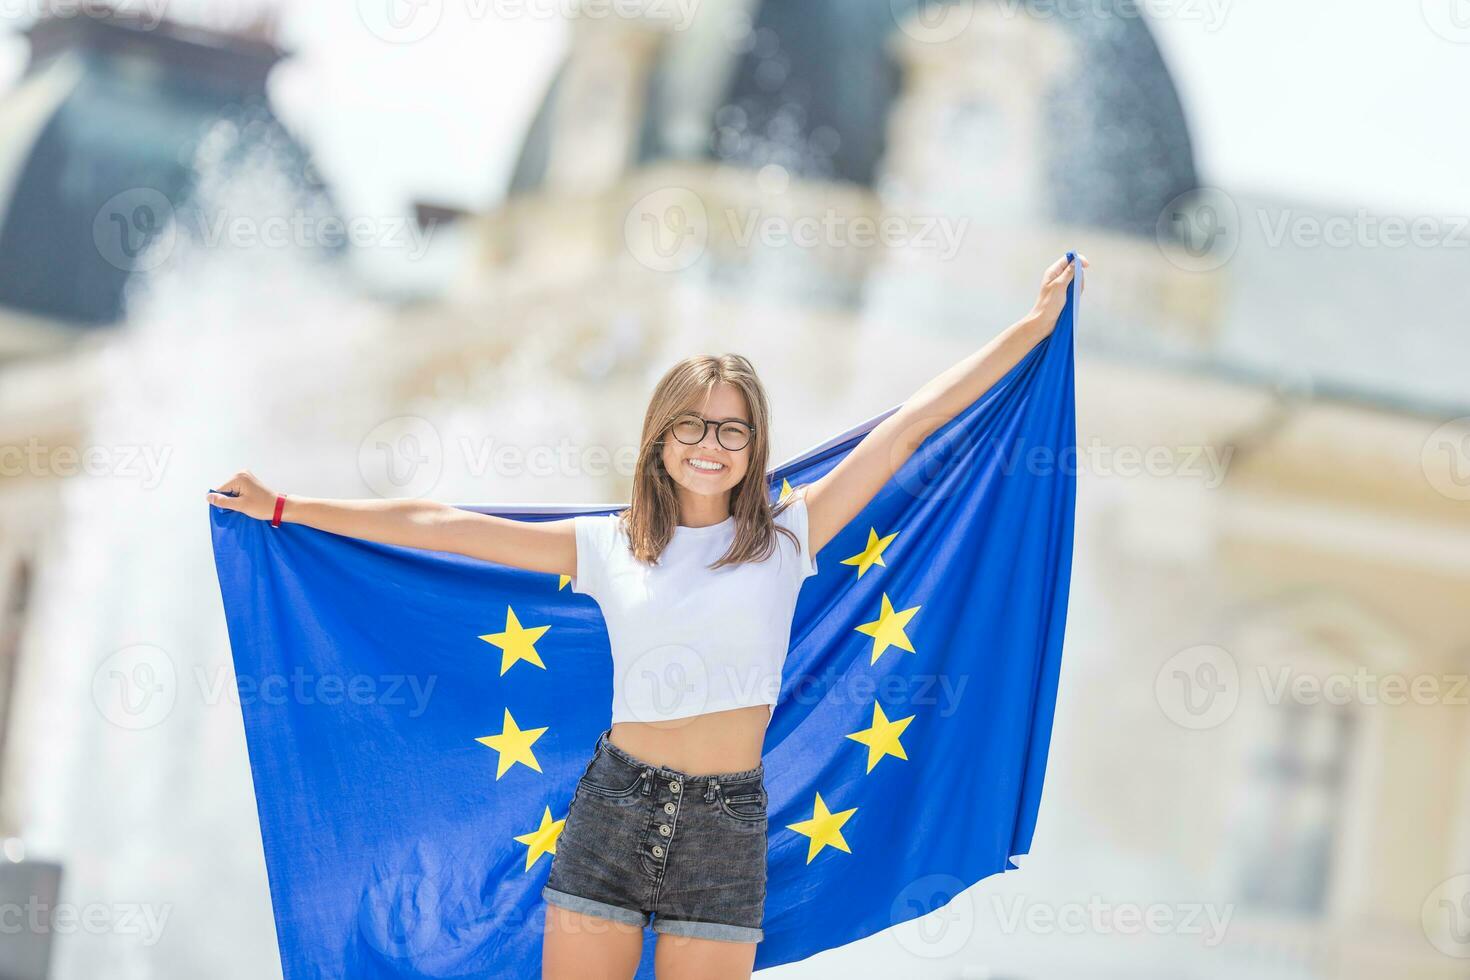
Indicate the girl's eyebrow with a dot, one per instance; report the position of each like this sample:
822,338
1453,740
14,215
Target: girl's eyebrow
733,418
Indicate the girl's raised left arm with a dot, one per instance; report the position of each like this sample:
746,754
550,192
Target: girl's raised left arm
836,498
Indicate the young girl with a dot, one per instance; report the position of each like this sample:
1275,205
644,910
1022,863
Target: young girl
697,580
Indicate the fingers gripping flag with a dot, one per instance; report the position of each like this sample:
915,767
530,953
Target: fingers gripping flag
417,721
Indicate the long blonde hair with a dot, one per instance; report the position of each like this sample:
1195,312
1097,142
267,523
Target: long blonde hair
651,517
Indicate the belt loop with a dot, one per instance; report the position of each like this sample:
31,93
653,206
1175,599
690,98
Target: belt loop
647,781
709,790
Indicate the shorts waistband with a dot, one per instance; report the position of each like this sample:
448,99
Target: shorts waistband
604,744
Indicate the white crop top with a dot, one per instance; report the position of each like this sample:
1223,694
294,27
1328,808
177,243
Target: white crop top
687,640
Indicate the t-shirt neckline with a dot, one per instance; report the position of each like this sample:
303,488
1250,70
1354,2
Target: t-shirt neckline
682,530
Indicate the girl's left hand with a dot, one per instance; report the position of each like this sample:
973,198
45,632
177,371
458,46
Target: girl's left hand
1053,296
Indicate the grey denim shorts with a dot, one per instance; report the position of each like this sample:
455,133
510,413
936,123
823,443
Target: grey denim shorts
644,841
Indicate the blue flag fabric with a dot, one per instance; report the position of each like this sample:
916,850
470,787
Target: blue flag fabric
408,829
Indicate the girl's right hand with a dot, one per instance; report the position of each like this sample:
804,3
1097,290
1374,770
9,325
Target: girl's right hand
252,498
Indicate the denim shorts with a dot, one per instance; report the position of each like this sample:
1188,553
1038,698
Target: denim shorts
644,841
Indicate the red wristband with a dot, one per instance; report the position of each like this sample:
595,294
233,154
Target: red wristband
280,508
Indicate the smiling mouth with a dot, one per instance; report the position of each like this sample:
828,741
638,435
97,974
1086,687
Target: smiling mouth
705,466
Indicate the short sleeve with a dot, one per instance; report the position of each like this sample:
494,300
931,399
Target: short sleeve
594,545
795,517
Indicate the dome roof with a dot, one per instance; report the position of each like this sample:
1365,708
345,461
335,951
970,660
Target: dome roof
809,86
105,120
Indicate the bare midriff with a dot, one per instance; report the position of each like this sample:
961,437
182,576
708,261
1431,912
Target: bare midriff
708,744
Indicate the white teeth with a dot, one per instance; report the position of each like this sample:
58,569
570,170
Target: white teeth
700,464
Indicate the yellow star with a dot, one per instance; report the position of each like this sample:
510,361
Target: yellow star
516,642
514,745
561,583
887,629
872,554
823,828
882,738
542,840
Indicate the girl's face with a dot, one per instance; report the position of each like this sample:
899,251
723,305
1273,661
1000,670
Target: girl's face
708,467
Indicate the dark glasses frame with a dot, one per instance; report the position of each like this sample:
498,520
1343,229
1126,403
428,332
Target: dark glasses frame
719,425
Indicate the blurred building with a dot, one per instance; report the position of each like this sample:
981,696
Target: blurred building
1268,499
1262,491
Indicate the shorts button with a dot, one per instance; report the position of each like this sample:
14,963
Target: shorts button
668,808
674,786
665,829
658,852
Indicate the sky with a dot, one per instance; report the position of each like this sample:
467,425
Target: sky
1349,105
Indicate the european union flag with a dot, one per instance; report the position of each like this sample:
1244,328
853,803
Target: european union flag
417,721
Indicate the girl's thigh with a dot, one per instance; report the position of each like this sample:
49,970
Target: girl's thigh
586,947
686,958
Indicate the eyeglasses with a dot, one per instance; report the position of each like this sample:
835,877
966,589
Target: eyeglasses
731,433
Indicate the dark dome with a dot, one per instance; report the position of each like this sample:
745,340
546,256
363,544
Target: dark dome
104,122
810,84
